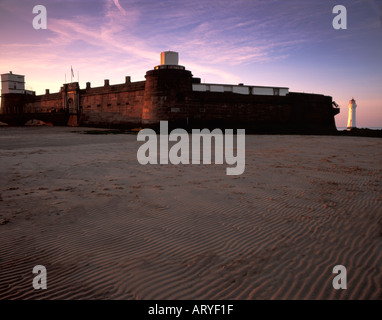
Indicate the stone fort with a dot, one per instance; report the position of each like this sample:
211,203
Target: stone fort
170,93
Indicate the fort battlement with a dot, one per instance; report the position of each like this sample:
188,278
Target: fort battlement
171,93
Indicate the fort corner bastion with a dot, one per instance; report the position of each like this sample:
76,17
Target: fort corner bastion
170,93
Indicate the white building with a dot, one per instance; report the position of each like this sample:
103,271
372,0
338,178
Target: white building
12,83
241,89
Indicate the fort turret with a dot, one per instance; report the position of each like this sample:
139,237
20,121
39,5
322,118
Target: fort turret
166,89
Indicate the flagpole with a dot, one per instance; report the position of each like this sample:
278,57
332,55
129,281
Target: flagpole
71,74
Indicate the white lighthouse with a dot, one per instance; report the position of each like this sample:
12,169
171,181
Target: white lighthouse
351,118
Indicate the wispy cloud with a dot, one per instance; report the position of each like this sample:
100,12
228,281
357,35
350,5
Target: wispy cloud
211,33
116,2
208,34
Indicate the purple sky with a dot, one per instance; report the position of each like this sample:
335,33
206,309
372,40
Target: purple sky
260,42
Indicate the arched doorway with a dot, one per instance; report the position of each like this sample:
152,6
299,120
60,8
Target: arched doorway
71,107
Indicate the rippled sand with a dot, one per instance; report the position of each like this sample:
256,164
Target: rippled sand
106,227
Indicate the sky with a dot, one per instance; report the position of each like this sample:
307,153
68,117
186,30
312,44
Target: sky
286,43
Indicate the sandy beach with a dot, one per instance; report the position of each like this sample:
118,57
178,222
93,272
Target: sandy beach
106,227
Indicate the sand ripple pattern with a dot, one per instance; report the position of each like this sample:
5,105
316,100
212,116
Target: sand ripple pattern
108,228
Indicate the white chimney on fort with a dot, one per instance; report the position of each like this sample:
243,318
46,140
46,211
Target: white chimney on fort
352,115
169,58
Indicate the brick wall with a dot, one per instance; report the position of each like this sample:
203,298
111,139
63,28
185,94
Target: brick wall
45,103
294,113
167,95
112,105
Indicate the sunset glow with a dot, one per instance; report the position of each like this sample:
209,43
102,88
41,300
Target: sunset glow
267,43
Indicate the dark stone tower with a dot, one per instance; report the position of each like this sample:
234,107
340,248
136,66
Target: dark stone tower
166,89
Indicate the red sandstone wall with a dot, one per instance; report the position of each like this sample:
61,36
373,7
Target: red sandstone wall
45,103
167,95
210,106
294,113
112,105
14,103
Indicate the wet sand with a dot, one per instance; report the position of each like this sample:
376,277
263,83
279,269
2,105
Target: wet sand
106,227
